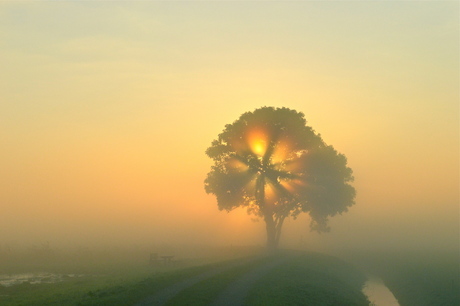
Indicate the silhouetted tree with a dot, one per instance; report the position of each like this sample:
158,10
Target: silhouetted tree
271,162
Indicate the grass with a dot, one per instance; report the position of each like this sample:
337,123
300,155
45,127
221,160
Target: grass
416,278
310,279
424,279
315,278
107,280
206,291
117,288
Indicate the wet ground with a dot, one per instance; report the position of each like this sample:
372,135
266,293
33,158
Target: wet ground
8,280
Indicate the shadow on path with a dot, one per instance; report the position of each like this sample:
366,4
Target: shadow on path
237,291
162,297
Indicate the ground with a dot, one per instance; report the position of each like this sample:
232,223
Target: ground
288,278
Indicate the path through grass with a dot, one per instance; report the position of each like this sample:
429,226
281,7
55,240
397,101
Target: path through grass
289,278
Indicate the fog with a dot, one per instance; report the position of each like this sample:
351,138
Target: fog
106,110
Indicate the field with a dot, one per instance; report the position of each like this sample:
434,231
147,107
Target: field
246,276
291,278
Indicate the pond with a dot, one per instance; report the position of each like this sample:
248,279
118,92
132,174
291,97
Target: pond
378,294
8,280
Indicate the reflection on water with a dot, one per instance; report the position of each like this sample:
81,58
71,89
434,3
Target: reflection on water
8,280
378,294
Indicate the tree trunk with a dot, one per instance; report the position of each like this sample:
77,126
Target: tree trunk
270,224
278,226
272,242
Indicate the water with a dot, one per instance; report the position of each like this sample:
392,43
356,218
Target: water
374,288
378,294
8,280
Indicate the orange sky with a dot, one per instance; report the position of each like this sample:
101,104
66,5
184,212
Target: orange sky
106,110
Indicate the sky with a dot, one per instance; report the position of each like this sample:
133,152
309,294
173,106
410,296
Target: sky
107,108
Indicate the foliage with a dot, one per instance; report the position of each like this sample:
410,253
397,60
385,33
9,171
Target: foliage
276,166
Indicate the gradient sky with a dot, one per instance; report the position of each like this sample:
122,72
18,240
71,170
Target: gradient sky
107,108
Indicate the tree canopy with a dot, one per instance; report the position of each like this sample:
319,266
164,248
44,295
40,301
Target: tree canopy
276,166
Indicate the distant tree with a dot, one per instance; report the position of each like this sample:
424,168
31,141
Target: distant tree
276,166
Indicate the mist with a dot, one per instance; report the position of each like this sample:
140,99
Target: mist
107,109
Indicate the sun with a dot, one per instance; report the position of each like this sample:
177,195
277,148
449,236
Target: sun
258,141
259,147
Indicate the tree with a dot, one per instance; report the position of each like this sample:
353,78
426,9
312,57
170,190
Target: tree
276,166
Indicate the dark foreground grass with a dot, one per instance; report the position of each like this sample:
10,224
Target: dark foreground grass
310,279
134,292
423,279
122,286
305,279
206,291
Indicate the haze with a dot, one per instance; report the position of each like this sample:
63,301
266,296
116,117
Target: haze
107,108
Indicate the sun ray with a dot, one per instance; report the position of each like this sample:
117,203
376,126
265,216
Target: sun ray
258,141
236,165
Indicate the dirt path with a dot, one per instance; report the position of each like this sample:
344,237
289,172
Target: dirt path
237,291
162,297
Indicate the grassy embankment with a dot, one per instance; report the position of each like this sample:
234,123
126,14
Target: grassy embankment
311,279
422,278
115,288
105,277
305,279
319,279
